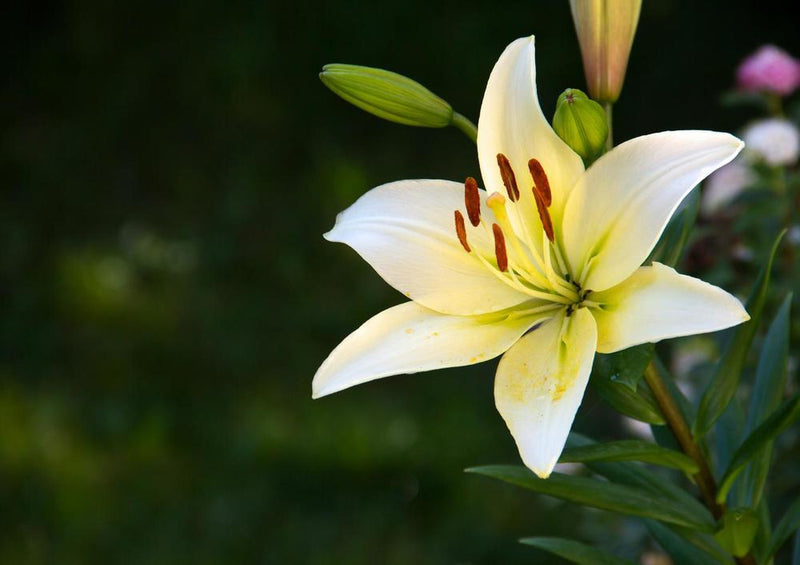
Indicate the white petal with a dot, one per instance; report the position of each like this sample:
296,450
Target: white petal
409,338
619,208
512,123
657,303
406,231
540,383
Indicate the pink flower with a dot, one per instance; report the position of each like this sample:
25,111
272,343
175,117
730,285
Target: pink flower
769,69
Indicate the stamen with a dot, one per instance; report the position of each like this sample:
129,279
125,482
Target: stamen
461,231
541,184
473,201
507,174
544,216
500,248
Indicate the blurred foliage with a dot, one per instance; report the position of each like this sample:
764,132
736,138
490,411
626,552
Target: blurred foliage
166,296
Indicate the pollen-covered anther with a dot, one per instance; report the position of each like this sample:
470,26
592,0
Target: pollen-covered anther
472,201
540,183
507,174
500,248
544,216
461,231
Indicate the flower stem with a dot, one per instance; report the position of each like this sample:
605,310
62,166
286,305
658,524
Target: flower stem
610,139
465,125
675,421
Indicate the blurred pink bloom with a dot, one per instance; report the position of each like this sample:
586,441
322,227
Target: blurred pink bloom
769,69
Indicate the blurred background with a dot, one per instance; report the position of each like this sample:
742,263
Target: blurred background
166,295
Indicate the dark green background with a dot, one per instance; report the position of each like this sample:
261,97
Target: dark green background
166,295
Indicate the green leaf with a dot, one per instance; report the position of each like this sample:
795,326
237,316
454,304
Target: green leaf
768,389
796,552
630,450
600,494
729,369
673,242
635,475
639,405
625,367
786,415
574,551
738,531
788,524
681,550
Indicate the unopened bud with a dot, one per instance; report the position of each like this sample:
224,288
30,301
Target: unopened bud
581,123
605,31
387,95
738,530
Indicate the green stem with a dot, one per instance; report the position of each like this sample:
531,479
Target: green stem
466,126
609,119
675,421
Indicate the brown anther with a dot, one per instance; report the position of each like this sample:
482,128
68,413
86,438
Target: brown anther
507,174
500,248
541,184
461,231
473,201
544,216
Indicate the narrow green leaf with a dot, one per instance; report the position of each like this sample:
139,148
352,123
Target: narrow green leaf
600,494
729,369
768,389
634,475
681,550
673,242
574,551
786,415
788,524
764,533
630,450
625,367
705,543
639,405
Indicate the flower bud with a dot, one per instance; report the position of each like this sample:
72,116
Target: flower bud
605,31
581,123
738,530
387,95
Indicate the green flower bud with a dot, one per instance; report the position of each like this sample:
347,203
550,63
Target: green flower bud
387,95
581,123
738,530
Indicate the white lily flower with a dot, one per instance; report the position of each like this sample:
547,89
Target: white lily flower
545,269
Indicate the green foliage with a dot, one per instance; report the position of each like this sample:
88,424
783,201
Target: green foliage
786,415
625,367
788,524
700,552
574,551
630,450
726,378
598,494
766,396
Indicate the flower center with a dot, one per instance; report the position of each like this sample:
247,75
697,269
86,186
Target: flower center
522,259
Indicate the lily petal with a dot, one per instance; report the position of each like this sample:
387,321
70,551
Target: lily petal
540,383
406,231
512,123
409,338
657,303
619,208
